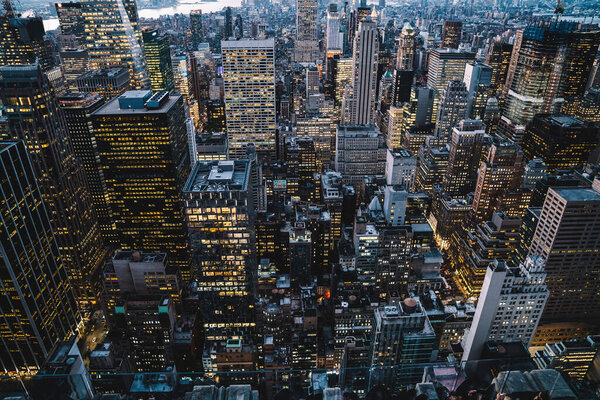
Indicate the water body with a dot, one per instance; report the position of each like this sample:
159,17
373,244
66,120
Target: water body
182,7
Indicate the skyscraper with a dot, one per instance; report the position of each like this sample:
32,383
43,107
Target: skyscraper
77,109
468,143
307,46
567,238
108,83
451,34
249,103
452,108
364,71
197,29
562,142
70,18
142,143
158,58
335,38
498,57
404,73
478,78
74,63
40,305
114,39
22,40
219,213
554,60
60,177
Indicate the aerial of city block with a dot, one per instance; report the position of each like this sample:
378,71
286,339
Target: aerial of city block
300,200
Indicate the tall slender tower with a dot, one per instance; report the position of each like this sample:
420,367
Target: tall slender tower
307,46
197,29
249,103
39,308
335,38
404,73
60,177
158,57
451,34
364,84
452,109
114,39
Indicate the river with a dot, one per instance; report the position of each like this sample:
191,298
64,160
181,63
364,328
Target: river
182,7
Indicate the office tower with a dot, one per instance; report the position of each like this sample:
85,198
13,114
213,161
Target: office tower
70,209
158,59
366,246
319,128
238,27
301,160
307,45
444,66
338,198
311,81
401,168
498,58
510,305
499,176
22,40
182,76
215,116
478,78
468,145
145,178
70,18
147,323
197,29
452,108
402,86
114,39
334,37
354,364
77,109
535,171
404,338
586,108
406,49
472,250
364,74
41,311
249,104
554,60
431,168
219,213
359,151
394,205
567,238
211,146
577,358
393,259
342,78
74,63
107,83
451,34
562,142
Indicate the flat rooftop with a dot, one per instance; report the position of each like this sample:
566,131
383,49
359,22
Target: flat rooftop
219,176
113,107
247,43
577,194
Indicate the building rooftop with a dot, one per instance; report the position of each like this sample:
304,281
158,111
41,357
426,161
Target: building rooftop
219,176
139,102
577,194
247,43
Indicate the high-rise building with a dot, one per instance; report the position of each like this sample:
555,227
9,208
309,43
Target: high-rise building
478,78
158,58
406,49
197,29
451,34
452,108
70,18
562,142
554,60
401,168
468,144
114,38
364,75
431,168
77,109
499,176
145,177
219,213
498,58
334,37
567,238
307,45
359,151
577,358
249,103
74,63
108,83
311,81
59,175
39,312
586,108
22,40
510,306
472,250
403,338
